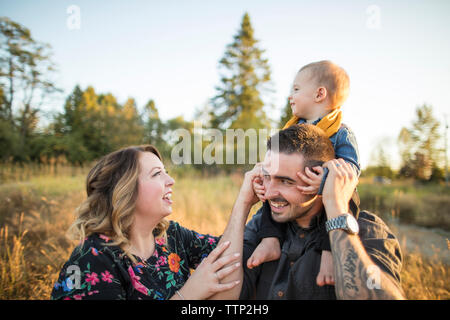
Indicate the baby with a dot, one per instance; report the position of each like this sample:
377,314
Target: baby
318,91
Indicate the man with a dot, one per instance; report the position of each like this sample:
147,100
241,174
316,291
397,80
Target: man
367,262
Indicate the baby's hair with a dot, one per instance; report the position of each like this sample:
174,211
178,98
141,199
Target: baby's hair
329,75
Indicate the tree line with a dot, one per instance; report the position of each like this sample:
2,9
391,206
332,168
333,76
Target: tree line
92,124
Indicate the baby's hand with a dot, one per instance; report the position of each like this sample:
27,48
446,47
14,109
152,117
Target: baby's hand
258,188
312,179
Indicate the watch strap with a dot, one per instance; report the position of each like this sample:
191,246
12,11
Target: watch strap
336,223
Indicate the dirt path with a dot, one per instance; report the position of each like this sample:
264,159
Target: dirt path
432,243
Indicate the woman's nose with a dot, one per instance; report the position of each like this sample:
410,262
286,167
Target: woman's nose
170,181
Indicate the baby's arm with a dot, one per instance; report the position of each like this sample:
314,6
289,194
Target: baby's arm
312,177
345,147
259,189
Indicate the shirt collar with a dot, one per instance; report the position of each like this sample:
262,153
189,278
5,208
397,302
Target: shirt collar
316,222
314,122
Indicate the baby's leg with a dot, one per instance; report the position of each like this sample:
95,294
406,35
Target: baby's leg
326,273
268,250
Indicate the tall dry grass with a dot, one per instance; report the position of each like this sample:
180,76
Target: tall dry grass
34,217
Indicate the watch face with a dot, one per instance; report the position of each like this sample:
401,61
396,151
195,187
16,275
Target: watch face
352,224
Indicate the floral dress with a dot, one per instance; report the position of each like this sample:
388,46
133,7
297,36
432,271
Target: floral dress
99,271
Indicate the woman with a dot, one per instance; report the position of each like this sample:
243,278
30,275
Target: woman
128,250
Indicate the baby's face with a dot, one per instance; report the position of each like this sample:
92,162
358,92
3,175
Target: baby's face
302,97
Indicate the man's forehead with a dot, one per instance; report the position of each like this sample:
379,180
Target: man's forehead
276,163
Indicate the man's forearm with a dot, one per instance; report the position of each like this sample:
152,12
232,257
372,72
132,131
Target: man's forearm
356,276
234,232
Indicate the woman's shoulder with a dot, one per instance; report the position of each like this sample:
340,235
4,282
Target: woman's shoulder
94,268
176,228
95,245
177,231
95,240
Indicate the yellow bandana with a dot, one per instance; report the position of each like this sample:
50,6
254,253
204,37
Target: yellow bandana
330,123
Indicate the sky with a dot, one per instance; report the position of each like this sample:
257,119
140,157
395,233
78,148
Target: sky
397,53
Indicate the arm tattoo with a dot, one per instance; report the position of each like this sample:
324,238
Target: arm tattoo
349,272
351,267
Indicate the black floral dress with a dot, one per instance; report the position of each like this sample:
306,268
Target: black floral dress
99,271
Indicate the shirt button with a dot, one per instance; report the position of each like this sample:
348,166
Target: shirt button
301,235
280,293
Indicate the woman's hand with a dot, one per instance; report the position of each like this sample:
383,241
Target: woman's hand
205,281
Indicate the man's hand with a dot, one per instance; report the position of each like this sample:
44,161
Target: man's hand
247,194
339,187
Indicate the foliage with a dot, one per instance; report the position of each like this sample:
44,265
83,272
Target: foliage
286,114
425,205
418,145
26,72
245,75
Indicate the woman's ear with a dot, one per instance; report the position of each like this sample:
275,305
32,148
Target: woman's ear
321,94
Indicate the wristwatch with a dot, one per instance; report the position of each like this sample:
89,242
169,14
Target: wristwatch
345,222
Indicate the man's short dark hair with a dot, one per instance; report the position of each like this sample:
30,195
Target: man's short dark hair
306,139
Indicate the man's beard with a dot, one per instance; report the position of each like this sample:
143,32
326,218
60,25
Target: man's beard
290,216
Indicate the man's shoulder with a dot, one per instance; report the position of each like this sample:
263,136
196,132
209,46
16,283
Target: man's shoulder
372,226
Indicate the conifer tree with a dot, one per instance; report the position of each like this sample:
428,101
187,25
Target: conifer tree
419,145
286,114
245,76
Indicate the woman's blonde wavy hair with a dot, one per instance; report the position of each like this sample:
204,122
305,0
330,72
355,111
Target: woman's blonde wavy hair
112,189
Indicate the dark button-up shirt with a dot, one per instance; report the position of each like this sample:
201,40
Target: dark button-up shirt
293,276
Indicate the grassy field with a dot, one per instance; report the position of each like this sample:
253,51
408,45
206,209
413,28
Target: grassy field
35,214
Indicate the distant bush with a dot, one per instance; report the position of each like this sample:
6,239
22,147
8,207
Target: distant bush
423,205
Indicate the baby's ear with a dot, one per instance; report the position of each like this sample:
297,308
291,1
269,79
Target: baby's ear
321,94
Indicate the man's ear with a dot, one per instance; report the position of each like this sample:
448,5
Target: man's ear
321,94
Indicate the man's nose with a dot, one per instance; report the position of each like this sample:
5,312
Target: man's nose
271,191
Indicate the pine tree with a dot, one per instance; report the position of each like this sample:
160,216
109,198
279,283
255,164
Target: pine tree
419,145
245,76
286,114
26,72
154,126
